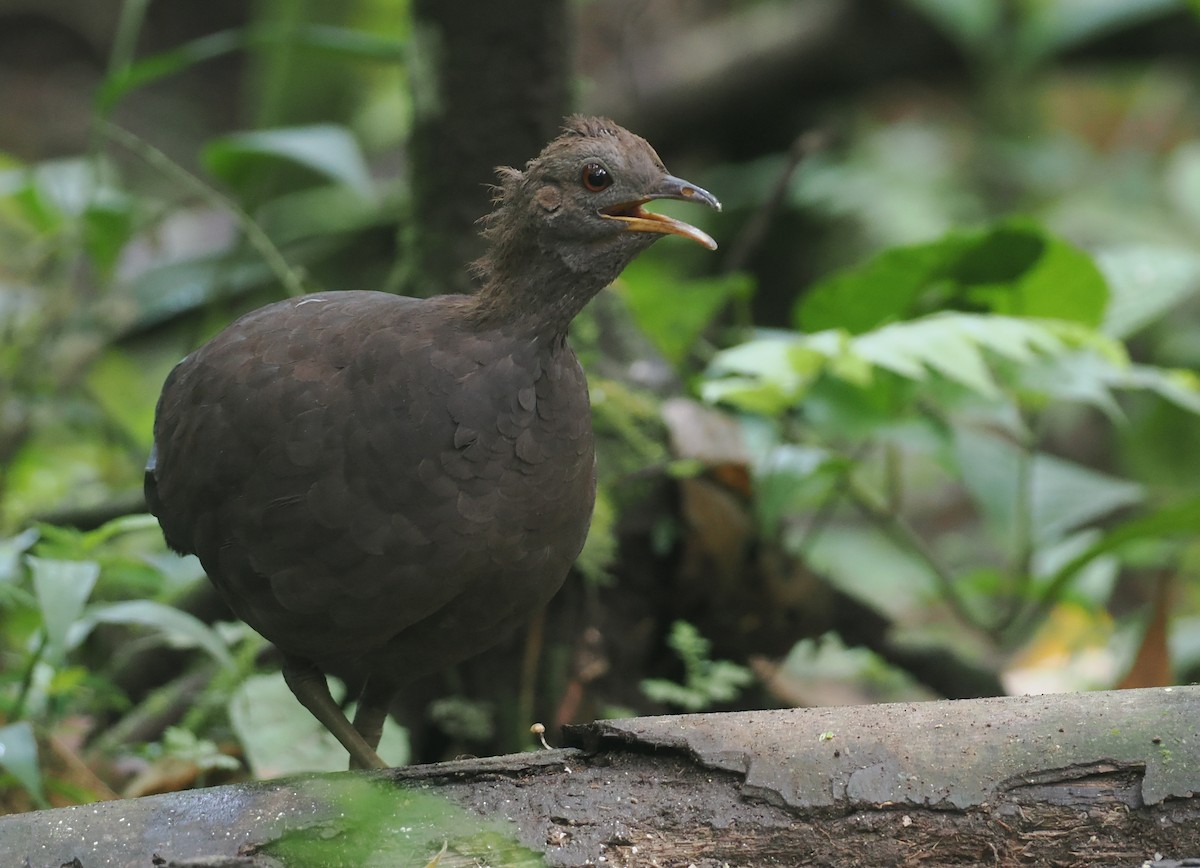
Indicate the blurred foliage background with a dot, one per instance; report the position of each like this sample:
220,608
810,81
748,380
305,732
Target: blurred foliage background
922,427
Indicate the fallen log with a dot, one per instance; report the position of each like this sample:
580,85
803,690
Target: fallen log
1093,779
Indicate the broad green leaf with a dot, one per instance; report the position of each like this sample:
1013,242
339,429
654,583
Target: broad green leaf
884,289
319,211
1177,519
1093,583
1078,377
1050,26
1146,282
1063,283
674,312
62,589
1058,495
168,290
868,565
19,757
748,394
281,737
1179,386
326,149
1015,269
178,627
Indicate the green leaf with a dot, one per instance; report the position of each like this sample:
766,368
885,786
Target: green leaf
974,24
908,349
62,589
127,390
1051,26
178,287
1060,496
179,627
1062,283
884,289
1146,282
156,66
326,149
770,374
672,311
11,550
19,757
1177,519
282,738
773,373
318,212
107,227
1015,269
351,44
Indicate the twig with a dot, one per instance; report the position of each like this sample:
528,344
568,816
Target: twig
258,239
756,229
902,532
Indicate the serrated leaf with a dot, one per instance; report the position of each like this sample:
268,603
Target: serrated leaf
909,349
181,628
62,589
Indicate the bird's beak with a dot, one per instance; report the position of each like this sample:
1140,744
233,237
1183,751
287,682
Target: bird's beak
637,219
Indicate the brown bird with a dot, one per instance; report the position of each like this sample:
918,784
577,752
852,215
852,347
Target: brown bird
383,485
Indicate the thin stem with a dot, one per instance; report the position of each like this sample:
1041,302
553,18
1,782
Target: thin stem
18,709
825,511
902,533
258,239
129,28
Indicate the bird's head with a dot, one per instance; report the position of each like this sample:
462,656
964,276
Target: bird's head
581,200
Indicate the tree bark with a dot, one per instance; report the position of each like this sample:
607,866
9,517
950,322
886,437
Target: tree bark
1078,779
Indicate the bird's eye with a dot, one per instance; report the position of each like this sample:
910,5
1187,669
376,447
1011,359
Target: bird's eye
596,177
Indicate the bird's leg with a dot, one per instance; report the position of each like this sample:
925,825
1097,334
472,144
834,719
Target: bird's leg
309,686
371,714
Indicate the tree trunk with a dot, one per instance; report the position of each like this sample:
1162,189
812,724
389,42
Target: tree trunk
490,87
1079,779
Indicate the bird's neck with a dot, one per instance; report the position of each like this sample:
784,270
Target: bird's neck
538,293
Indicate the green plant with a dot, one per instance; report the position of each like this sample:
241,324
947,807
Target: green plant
60,586
706,682
945,367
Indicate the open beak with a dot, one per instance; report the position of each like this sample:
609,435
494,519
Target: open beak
637,219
